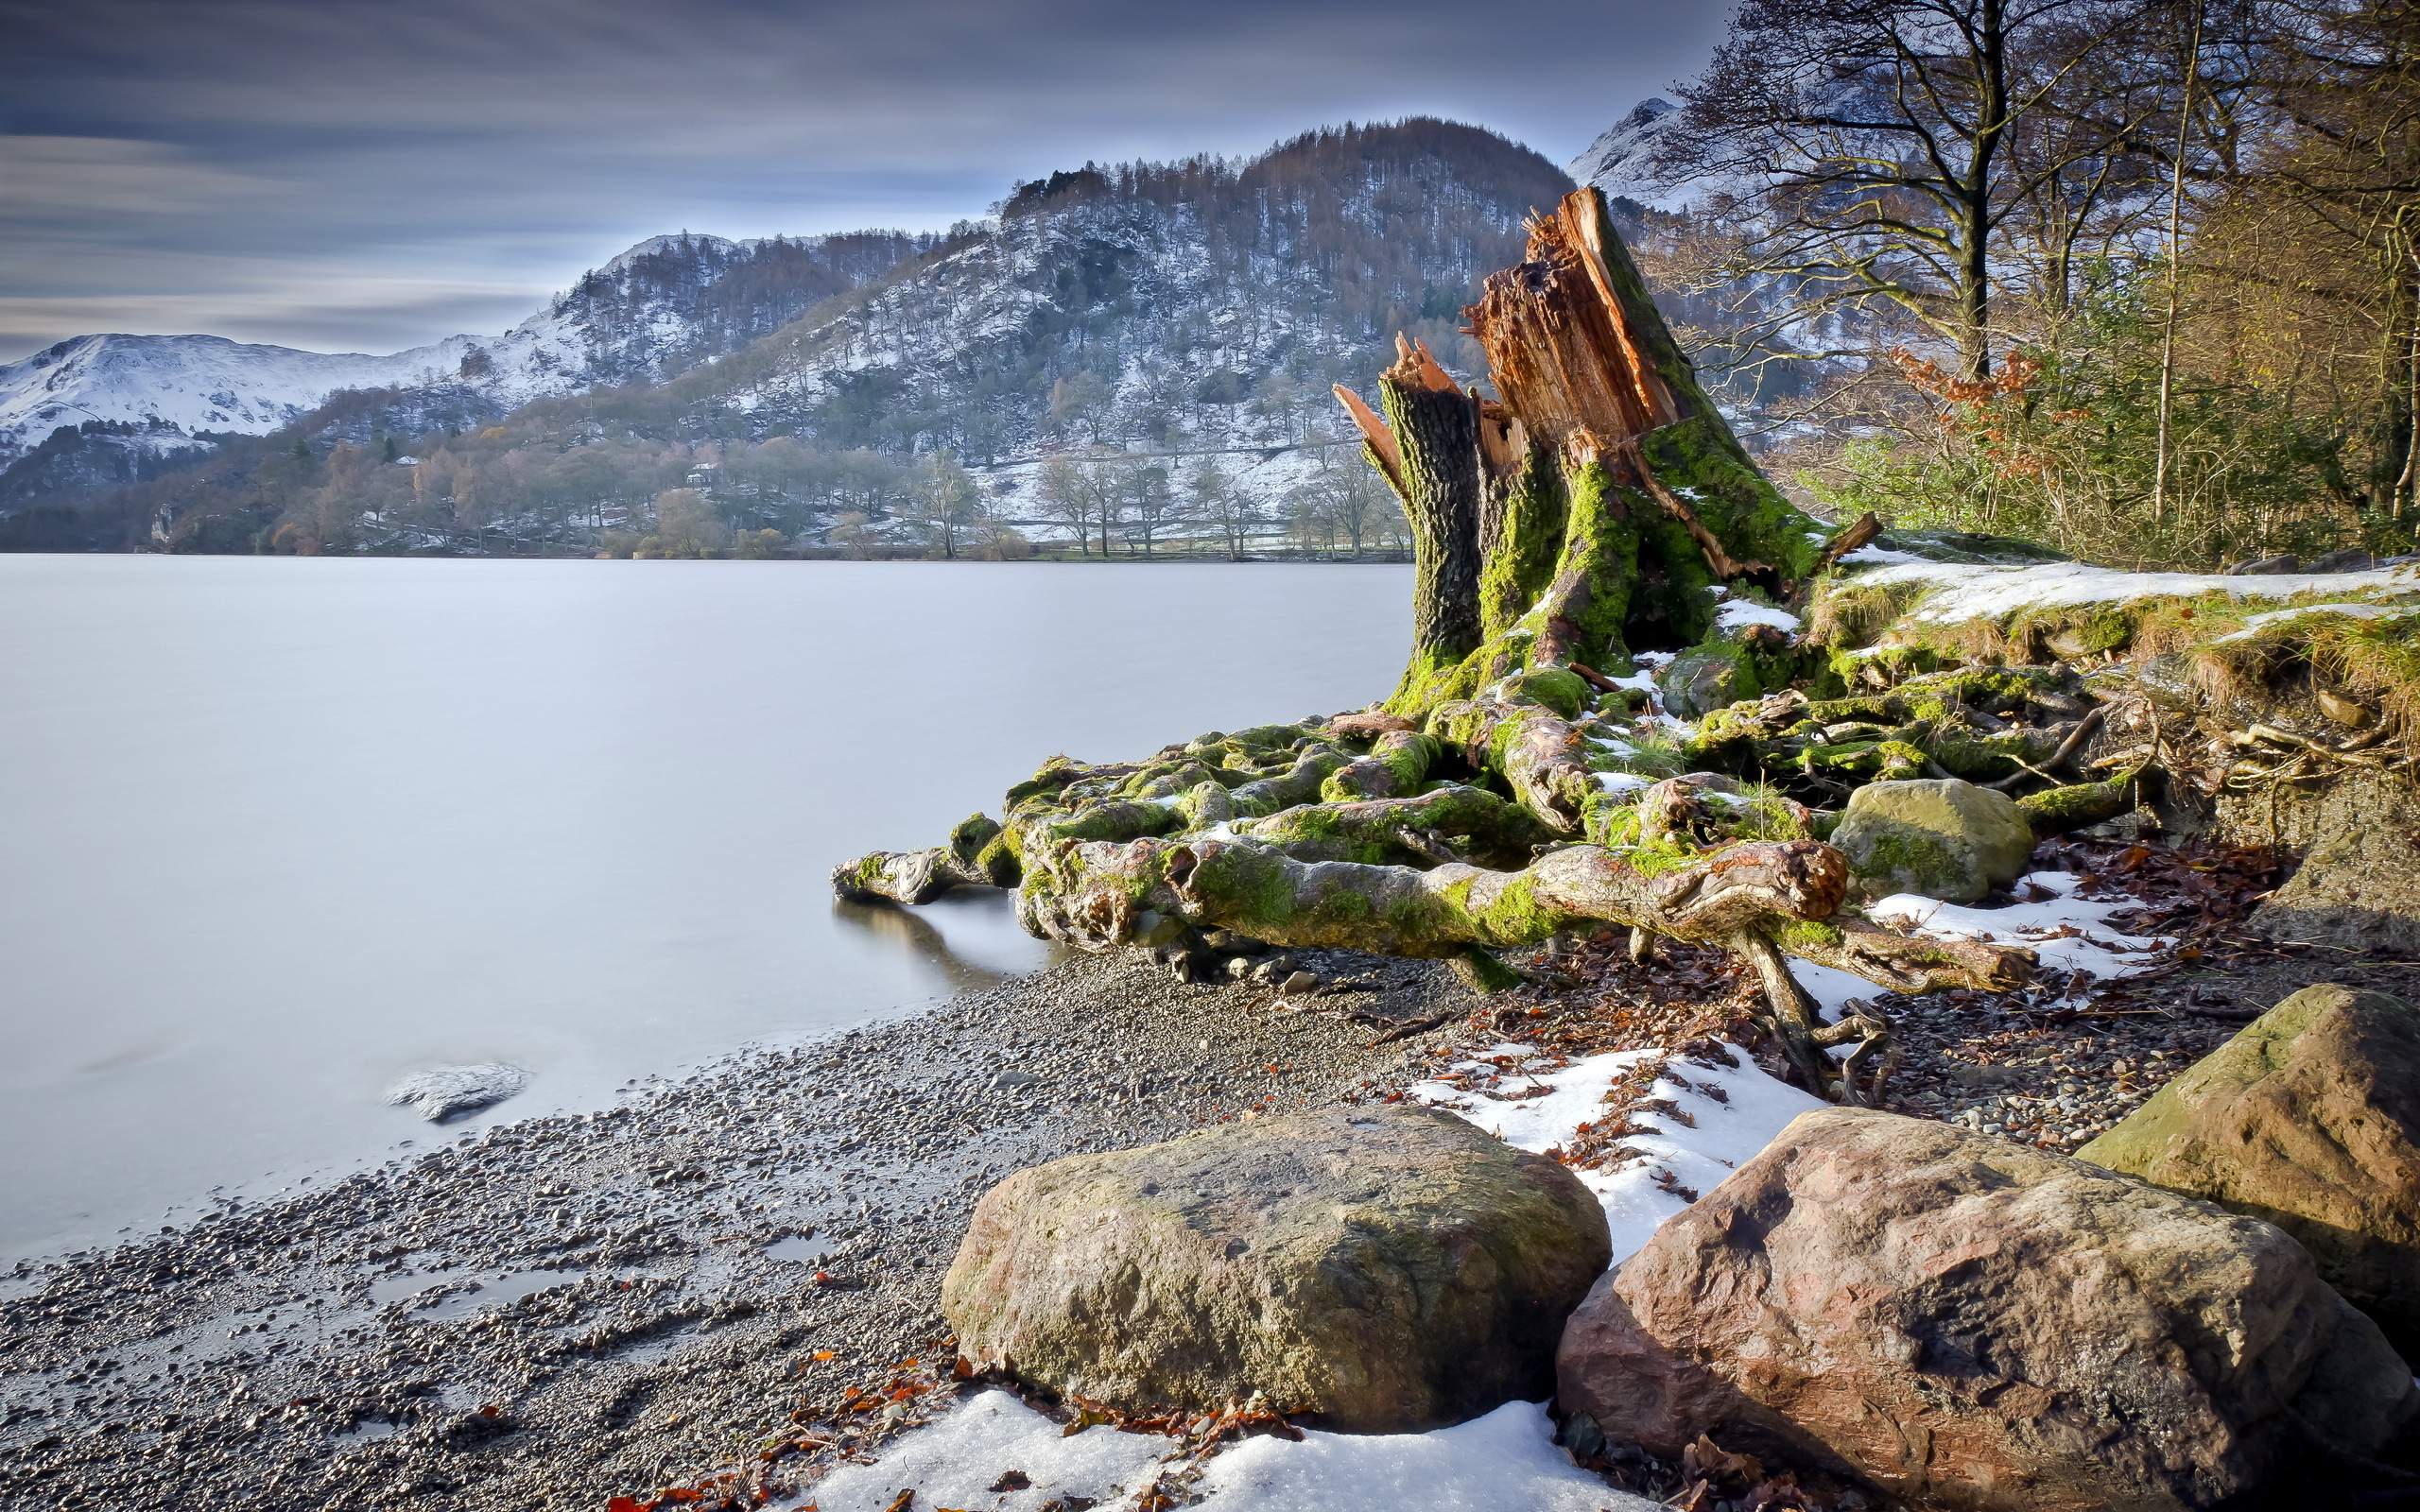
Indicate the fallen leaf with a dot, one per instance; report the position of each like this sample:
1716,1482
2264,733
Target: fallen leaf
822,1354
1012,1481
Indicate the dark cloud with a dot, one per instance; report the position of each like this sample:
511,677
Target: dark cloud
368,174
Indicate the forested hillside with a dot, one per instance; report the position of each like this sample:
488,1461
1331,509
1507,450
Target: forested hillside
1167,331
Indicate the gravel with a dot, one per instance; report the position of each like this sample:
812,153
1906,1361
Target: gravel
575,1307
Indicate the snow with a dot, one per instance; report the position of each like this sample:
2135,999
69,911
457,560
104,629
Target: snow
1506,1460
1503,1461
954,1461
1620,161
2355,611
1728,1130
1739,612
2097,949
1963,592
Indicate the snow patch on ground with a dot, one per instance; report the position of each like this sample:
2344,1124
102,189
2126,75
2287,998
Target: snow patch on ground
2066,931
2352,612
956,1460
1963,592
1696,1150
1505,1460
1740,612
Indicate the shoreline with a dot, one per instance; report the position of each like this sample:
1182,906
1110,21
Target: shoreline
569,1307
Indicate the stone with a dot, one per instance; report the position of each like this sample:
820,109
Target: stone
1943,839
1382,1269
2350,712
2311,1119
2350,559
1299,983
2267,566
1738,664
2359,885
1966,1324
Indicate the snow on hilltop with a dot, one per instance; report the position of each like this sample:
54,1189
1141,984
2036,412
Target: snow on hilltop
1618,161
649,314
191,383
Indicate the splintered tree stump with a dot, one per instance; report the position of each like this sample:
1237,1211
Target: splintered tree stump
1595,506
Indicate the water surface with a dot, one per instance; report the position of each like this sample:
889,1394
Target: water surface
280,831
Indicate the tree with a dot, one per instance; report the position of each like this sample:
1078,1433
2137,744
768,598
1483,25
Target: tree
686,524
1156,506
1232,511
1601,504
1894,154
945,502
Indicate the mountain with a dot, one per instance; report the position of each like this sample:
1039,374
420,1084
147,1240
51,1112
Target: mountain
130,403
1157,312
1620,161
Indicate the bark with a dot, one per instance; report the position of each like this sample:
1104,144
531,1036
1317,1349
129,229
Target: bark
1597,507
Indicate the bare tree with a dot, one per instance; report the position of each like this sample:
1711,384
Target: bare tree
1886,154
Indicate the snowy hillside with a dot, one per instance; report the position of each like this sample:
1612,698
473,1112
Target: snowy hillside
656,310
1619,162
191,383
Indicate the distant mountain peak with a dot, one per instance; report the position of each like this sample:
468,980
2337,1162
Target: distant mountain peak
685,243
1621,161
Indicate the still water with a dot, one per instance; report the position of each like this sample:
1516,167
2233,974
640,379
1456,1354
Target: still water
274,832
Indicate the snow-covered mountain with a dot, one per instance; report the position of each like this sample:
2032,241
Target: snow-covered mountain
656,310
189,383
1620,161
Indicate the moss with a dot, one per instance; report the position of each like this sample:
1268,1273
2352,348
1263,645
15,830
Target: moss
1055,774
1807,935
1118,821
1559,690
2060,810
1910,854
1536,513
1483,973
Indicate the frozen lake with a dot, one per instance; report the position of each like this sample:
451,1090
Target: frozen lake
282,832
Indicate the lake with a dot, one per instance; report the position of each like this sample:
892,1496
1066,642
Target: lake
281,831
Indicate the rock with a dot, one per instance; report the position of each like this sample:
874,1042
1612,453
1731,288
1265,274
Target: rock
442,1093
1969,1324
1943,839
1011,1080
2267,566
2310,1118
1745,662
1299,983
1385,1269
2359,885
2350,712
2351,560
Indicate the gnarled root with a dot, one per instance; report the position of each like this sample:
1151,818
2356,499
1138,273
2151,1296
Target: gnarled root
1099,896
979,854
1908,965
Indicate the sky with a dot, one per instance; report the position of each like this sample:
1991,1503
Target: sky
369,175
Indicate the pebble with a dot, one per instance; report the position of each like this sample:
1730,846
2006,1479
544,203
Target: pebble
634,1290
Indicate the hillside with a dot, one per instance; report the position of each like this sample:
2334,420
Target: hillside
93,412
1201,306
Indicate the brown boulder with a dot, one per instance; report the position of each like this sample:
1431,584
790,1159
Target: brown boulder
1384,1269
1968,1324
2310,1118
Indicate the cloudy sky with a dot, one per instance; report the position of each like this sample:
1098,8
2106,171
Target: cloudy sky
367,174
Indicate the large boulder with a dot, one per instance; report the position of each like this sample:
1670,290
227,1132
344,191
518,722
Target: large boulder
1943,838
1968,1324
2359,885
2310,1118
1384,1269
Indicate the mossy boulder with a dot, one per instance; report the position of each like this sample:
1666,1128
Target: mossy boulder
1383,1269
1943,839
1732,667
2311,1119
